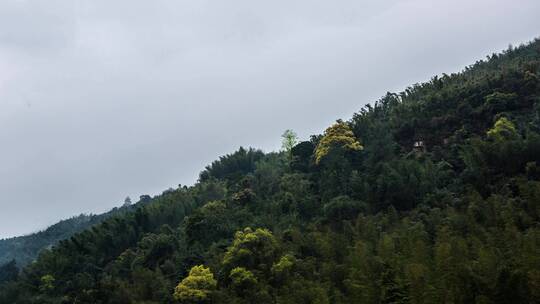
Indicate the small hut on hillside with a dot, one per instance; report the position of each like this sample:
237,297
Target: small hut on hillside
419,146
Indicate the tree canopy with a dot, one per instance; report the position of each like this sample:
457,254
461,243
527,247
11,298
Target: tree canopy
337,136
197,287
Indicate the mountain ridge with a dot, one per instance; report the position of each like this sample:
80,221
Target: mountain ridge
25,248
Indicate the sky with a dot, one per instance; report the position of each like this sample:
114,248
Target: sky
104,99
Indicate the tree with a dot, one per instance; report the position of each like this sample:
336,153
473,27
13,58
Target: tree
289,140
499,102
127,201
282,269
252,250
503,129
46,284
209,223
197,286
232,167
242,280
335,154
392,292
342,208
337,136
302,155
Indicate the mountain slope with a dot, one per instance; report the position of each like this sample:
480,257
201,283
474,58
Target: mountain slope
24,249
431,195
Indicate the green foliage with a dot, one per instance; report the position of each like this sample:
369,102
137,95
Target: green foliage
342,208
503,129
337,136
499,102
282,269
289,140
302,155
197,287
8,272
232,167
24,249
296,195
209,223
46,284
404,183
244,196
243,281
252,249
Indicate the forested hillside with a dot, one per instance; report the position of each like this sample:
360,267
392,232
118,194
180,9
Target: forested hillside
24,249
431,195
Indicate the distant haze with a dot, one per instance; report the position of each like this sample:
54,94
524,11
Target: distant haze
104,99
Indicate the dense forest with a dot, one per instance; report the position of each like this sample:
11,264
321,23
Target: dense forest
22,250
431,195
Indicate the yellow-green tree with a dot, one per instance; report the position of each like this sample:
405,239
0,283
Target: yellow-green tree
197,286
47,283
503,129
339,136
243,281
288,140
282,269
252,249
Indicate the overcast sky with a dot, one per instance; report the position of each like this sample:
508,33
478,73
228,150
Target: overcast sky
104,99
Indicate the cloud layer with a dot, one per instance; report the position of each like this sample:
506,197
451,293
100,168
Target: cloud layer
103,99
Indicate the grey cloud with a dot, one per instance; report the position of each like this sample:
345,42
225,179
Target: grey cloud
103,99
